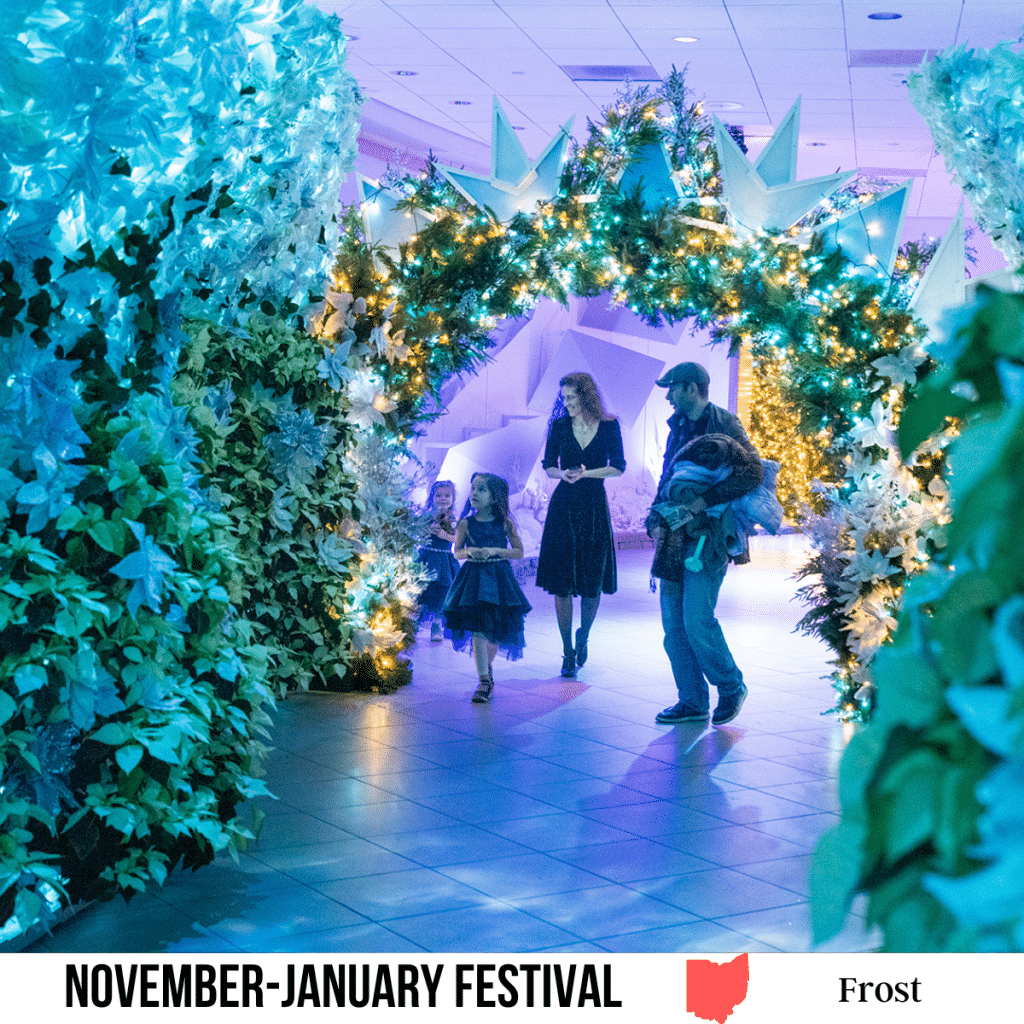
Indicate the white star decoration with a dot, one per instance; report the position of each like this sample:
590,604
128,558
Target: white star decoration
943,284
652,170
382,222
870,235
766,195
515,185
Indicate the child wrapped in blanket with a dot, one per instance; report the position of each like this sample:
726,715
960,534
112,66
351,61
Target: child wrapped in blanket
722,530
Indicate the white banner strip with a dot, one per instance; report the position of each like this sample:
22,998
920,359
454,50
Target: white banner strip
791,988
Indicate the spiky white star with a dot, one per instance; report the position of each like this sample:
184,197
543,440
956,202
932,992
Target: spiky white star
383,222
515,184
766,196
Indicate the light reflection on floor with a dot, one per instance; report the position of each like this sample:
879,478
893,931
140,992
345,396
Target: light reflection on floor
560,817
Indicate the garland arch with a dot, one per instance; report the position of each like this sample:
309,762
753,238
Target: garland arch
660,208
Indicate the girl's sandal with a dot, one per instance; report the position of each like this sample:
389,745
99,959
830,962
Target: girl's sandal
484,691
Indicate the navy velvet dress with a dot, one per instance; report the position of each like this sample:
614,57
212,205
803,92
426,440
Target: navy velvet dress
485,597
437,556
577,548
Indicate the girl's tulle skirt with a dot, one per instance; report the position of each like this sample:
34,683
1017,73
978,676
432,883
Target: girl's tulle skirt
485,598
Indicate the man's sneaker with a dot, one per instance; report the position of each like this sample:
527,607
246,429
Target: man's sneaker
729,707
680,713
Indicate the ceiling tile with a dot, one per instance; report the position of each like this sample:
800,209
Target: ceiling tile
674,18
507,39
911,159
582,38
876,112
440,16
805,60
708,39
986,24
531,16
628,54
403,57
788,16
765,37
923,26
878,84
528,86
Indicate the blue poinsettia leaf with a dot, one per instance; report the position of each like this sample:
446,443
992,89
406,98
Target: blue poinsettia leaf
334,368
51,492
298,447
148,566
89,689
154,695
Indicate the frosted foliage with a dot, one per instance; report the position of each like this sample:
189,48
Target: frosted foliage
116,108
971,100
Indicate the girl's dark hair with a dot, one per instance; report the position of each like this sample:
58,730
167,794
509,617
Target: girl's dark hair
589,396
499,497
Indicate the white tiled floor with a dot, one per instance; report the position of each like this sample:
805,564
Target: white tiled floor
560,817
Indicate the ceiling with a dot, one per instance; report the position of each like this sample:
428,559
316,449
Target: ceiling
429,72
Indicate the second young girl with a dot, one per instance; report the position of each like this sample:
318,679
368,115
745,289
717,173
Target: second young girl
436,555
485,604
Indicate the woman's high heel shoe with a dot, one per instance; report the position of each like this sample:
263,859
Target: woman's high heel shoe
581,648
569,665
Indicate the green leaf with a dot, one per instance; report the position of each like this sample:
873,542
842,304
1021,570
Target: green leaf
29,677
8,707
913,786
113,734
69,518
835,870
109,535
911,690
128,758
927,414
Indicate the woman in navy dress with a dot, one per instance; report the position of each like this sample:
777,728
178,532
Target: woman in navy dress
485,604
577,549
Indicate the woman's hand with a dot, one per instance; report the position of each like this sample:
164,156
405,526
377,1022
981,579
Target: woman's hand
570,476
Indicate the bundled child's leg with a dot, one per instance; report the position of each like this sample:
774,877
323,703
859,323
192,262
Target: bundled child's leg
483,653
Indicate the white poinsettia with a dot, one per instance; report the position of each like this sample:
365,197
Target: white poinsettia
901,367
870,625
869,565
877,430
367,400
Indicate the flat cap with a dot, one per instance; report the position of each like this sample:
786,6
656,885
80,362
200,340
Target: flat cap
686,373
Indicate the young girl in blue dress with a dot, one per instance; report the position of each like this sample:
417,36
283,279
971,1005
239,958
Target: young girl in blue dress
485,604
437,556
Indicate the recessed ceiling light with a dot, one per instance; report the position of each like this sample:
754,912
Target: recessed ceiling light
405,74
686,39
351,39
519,127
461,103
518,72
885,16
815,143
723,105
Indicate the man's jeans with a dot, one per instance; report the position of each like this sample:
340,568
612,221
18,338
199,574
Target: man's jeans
694,640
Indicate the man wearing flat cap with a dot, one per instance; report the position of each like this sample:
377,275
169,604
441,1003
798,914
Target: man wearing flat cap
694,641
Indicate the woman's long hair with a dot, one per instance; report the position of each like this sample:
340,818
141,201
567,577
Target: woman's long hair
589,396
499,497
